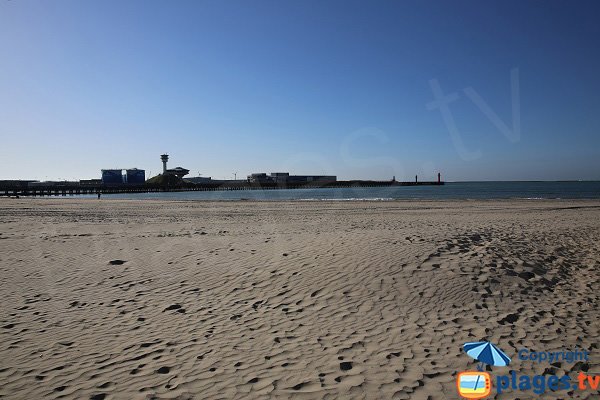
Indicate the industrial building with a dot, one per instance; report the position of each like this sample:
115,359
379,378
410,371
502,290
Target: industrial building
135,176
311,178
112,176
285,178
280,177
259,177
178,172
200,179
132,176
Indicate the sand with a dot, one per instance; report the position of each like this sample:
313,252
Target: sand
308,300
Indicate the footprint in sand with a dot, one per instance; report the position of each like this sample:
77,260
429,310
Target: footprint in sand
346,365
163,370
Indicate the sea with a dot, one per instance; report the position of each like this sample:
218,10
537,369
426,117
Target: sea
449,191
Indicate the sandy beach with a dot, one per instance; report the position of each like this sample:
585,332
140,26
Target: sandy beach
107,299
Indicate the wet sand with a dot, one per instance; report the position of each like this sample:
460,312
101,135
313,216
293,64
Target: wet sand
309,300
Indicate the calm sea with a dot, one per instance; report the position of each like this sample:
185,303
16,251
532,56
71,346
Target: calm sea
456,190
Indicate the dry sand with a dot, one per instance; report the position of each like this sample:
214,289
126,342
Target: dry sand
308,300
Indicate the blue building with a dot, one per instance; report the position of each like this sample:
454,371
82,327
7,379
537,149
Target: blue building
135,176
112,176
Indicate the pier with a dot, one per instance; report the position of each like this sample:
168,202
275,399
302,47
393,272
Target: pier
22,188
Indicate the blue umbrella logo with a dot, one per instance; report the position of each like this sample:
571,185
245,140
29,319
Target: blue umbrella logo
486,353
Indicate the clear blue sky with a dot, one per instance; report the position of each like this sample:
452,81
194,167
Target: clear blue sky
310,87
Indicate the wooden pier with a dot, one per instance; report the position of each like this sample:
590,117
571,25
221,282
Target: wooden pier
22,188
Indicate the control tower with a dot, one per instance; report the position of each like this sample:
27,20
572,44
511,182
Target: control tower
164,158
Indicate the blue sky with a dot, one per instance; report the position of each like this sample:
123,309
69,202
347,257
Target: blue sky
310,87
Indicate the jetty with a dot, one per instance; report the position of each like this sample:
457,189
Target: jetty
25,188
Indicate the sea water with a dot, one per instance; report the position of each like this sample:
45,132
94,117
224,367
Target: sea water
449,191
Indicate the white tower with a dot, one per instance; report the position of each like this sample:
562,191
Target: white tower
164,158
